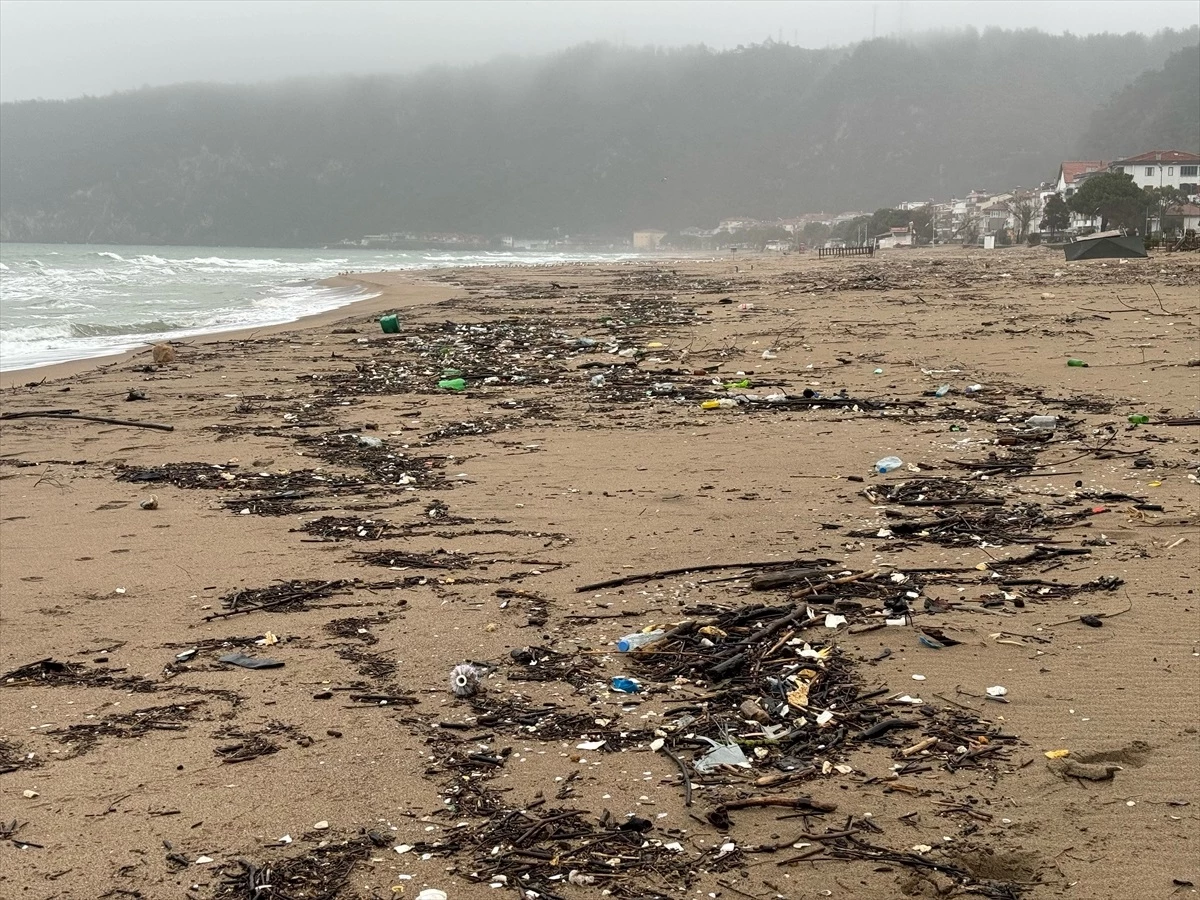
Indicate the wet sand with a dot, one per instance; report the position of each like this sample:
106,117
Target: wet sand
465,533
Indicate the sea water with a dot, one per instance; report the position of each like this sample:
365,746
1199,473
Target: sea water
61,302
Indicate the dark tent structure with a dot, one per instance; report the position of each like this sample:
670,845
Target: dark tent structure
1106,245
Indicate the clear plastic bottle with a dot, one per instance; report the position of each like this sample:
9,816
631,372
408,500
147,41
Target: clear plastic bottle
638,639
888,464
942,391
1049,423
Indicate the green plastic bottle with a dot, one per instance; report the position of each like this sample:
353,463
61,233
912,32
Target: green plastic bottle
1077,364
452,384
1139,419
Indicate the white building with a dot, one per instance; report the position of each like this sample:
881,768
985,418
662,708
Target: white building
1179,219
897,237
1070,174
1162,168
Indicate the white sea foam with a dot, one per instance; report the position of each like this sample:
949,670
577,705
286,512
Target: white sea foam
77,309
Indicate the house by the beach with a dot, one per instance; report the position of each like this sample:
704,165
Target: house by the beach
1178,219
1162,168
1069,172
648,239
904,236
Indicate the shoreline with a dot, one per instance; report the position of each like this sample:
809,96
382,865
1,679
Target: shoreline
52,371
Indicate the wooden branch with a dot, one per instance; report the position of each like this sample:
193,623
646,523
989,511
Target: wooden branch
666,573
72,414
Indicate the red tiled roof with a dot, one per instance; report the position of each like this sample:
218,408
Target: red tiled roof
1072,170
1167,156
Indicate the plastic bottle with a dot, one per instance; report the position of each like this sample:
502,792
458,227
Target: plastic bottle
942,391
1139,419
626,685
887,464
662,387
973,388
1077,364
723,403
452,384
1049,423
638,639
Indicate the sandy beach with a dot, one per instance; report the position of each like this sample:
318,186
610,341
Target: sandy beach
893,663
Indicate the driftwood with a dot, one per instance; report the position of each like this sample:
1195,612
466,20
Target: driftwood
786,578
706,567
74,414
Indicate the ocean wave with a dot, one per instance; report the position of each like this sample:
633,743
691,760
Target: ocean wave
76,309
97,329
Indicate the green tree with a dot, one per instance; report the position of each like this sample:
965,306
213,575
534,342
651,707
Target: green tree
816,233
1056,215
1114,198
922,221
851,231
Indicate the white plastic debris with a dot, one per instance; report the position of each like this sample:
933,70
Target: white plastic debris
402,848
29,795
432,894
590,745
464,680
918,678
721,755
998,690
825,718
833,621
201,860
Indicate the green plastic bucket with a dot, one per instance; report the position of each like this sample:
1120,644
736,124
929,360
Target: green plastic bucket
390,324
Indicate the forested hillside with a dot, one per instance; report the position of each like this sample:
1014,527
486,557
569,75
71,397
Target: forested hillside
1162,105
596,140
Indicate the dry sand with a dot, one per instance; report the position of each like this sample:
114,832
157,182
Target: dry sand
496,504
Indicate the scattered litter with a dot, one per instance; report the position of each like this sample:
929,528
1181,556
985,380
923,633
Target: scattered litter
250,662
464,680
729,754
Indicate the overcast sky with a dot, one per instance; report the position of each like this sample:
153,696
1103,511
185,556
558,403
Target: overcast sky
66,48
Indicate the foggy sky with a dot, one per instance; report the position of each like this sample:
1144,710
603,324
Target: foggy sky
67,48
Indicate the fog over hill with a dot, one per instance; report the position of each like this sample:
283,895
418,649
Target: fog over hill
596,139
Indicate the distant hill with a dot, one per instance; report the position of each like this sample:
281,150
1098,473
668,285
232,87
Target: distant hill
595,140
1159,110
